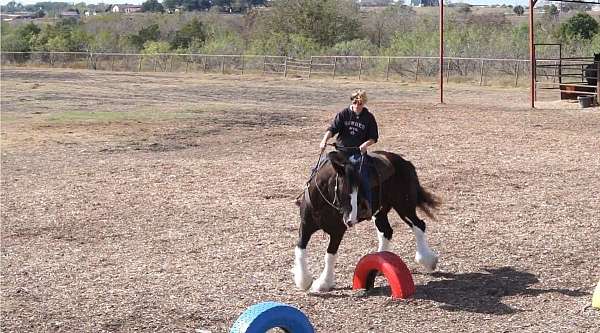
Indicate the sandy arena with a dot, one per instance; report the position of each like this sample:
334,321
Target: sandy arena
164,202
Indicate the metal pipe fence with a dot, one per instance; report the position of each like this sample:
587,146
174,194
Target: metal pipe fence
481,71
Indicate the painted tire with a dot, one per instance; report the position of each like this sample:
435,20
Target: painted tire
262,317
392,267
596,297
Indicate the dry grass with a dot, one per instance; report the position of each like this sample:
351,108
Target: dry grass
164,203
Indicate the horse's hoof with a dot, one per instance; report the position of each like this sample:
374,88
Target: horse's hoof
429,261
320,286
303,284
302,280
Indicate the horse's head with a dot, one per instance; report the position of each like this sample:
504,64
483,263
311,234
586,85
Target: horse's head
352,203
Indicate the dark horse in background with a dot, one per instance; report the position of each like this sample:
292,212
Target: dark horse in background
333,201
591,75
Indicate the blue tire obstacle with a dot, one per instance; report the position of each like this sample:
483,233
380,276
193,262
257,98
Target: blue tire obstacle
262,317
392,267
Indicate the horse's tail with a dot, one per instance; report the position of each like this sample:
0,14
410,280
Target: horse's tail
426,200
408,176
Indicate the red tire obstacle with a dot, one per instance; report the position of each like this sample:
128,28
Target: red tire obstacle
392,267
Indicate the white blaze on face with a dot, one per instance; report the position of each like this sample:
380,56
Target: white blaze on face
354,204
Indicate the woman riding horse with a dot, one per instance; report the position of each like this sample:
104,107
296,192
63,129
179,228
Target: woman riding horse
333,200
356,130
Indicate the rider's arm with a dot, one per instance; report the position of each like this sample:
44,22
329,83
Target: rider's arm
365,145
326,137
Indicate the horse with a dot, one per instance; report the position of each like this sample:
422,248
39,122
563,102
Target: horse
590,71
333,202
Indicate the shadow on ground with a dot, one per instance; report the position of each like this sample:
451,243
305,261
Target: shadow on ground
483,292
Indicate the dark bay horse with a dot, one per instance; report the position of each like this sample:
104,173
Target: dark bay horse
333,201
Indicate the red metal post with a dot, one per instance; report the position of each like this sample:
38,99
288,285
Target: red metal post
532,52
441,3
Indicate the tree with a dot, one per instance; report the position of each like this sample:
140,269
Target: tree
519,10
149,33
152,6
581,25
189,5
463,8
551,11
381,26
192,31
171,4
325,21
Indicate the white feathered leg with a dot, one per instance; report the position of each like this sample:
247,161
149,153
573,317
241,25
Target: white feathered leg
302,277
326,280
384,243
424,256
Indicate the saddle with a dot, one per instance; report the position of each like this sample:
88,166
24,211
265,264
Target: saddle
381,168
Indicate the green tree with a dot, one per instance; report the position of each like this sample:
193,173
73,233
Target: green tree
149,33
381,26
152,6
171,4
192,31
519,10
581,25
325,21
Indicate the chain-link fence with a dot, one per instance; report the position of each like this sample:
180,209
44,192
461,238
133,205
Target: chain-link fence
481,71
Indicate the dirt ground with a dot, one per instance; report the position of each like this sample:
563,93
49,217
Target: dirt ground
164,202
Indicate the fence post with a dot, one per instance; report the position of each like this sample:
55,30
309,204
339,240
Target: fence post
417,69
154,63
447,70
112,64
387,70
140,65
481,73
264,65
171,66
597,80
242,60
334,66
517,74
187,63
285,67
310,67
360,68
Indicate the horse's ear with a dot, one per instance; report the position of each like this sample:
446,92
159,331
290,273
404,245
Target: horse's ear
338,161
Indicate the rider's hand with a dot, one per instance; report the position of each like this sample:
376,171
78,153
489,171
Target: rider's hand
322,145
363,149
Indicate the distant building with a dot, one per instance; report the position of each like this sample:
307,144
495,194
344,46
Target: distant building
70,14
17,16
375,3
424,3
126,8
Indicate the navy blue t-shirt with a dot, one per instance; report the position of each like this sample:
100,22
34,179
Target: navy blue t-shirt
353,130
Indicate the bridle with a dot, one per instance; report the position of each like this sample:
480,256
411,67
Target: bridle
335,193
315,174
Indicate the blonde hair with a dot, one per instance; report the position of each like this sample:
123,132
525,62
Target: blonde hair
360,94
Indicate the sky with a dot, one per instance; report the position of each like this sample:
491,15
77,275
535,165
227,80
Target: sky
136,2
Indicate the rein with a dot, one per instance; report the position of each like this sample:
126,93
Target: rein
335,191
